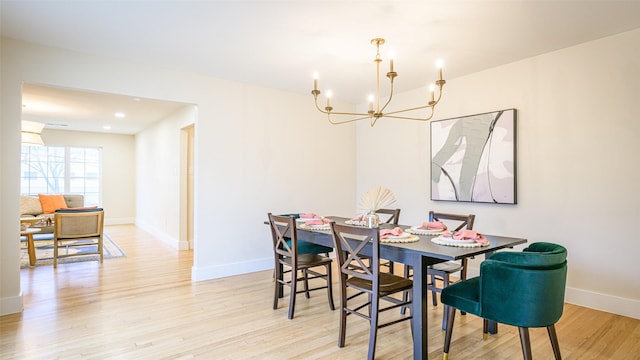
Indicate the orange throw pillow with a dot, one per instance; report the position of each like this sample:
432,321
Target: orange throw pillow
51,203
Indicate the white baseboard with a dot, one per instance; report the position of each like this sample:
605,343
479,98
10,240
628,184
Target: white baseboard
184,245
603,302
220,271
169,240
11,305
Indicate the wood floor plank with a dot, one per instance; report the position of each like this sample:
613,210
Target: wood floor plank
144,306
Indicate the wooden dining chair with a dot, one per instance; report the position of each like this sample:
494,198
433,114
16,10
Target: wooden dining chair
78,228
288,261
389,216
358,253
441,272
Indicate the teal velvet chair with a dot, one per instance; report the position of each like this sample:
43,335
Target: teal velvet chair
523,289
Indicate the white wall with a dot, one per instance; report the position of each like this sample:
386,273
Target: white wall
158,176
577,166
118,169
257,150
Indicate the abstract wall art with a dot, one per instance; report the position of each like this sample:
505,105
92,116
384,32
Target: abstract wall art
473,158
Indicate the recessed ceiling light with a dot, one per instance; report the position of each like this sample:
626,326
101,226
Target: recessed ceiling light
107,127
119,115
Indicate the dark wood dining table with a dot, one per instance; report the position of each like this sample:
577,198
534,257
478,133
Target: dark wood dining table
419,255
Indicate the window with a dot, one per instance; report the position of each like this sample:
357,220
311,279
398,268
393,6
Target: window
62,170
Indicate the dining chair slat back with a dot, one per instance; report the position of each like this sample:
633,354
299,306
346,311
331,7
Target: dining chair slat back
298,267
358,254
442,272
393,218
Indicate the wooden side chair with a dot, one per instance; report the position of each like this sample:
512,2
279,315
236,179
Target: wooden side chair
289,261
358,253
75,228
442,272
392,217
524,289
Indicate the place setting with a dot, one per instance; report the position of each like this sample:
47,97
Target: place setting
441,235
397,235
462,238
311,221
429,228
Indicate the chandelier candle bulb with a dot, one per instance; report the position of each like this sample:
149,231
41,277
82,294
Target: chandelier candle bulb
439,65
315,81
391,65
432,90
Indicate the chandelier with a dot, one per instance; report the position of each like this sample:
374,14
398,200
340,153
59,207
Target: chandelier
376,111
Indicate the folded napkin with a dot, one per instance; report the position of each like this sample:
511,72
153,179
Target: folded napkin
360,218
466,235
309,216
433,225
318,221
385,233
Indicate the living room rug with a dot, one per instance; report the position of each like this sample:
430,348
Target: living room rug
44,251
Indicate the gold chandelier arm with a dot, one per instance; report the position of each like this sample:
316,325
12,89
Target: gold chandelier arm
324,111
348,120
410,118
388,100
405,110
432,105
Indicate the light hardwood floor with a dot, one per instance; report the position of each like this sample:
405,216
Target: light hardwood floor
144,306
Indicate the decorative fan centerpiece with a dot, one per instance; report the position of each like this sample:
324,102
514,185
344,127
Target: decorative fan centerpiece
374,199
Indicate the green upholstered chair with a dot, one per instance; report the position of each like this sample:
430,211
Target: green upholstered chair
288,260
524,289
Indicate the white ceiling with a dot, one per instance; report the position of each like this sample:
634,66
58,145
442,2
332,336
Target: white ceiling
76,110
279,44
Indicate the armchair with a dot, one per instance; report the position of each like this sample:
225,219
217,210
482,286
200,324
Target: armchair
524,289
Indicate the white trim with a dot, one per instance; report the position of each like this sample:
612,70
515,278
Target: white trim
603,302
220,271
11,305
169,240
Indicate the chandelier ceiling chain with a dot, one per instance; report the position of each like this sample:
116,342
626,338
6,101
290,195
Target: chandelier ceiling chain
375,111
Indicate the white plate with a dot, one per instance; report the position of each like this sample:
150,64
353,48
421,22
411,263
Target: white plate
306,219
454,241
404,235
315,227
425,231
